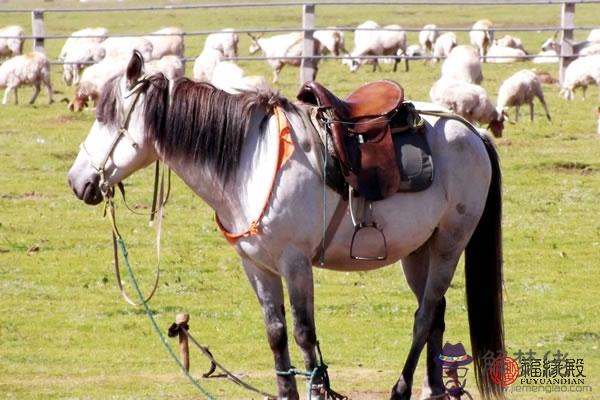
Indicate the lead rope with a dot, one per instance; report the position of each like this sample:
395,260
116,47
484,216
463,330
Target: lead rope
144,303
318,371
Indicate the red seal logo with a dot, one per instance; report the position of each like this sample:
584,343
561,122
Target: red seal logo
504,371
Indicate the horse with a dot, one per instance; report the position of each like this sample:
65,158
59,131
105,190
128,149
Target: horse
223,146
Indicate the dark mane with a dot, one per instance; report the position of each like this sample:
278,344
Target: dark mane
202,123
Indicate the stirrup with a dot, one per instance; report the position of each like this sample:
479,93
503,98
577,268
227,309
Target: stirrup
368,225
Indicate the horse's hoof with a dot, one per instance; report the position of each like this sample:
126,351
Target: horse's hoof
401,391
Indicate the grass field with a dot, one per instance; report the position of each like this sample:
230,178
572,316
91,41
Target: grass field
66,334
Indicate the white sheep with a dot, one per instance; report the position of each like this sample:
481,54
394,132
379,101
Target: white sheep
166,41
78,58
482,36
546,57
579,48
82,36
171,66
82,48
469,101
520,89
279,47
594,35
444,45
228,76
504,55
225,41
95,77
415,50
205,64
581,73
427,37
124,46
389,41
11,41
29,69
332,41
509,41
463,64
593,48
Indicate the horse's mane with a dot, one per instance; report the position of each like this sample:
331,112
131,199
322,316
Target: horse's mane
201,123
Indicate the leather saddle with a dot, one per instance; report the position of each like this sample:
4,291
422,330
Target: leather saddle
361,128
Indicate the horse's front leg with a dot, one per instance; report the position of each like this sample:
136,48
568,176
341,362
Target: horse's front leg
297,271
269,291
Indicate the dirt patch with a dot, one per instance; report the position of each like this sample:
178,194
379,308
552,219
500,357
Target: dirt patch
23,196
574,167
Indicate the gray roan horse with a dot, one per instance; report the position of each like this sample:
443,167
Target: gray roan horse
223,146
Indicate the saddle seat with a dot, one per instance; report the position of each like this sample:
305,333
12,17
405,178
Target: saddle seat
360,128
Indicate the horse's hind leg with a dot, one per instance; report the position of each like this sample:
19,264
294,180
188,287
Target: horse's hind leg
444,253
269,290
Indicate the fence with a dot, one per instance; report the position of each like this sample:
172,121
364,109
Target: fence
308,9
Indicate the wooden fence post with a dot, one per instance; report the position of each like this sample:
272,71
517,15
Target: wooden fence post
37,30
567,22
307,65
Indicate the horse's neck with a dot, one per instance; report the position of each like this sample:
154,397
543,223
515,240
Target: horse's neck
242,199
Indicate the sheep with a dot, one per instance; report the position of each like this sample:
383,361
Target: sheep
171,66
205,64
95,77
166,41
29,69
546,57
332,41
278,47
82,37
463,64
443,45
581,73
580,48
229,77
226,42
505,55
594,35
123,45
469,101
482,36
427,37
510,41
519,89
414,50
545,77
592,49
11,41
77,58
391,41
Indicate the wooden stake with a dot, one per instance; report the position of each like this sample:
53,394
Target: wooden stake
184,350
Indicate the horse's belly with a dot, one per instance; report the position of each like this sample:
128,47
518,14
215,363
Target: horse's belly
406,220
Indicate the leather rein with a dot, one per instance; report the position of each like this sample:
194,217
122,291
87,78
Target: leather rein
159,198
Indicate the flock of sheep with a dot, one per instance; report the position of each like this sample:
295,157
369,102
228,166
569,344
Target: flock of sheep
91,59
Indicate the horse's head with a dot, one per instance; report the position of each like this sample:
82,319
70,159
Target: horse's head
116,145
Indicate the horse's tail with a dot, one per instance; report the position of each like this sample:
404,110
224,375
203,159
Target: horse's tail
483,270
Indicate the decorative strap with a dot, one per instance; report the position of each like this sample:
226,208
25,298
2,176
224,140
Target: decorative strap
285,149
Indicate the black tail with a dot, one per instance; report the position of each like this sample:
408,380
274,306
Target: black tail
483,270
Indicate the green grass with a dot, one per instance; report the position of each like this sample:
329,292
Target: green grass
65,333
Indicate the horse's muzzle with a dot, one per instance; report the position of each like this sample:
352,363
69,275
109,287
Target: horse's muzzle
89,191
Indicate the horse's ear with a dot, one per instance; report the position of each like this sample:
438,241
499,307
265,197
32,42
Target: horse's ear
135,68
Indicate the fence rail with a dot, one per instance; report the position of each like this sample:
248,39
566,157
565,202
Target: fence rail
307,70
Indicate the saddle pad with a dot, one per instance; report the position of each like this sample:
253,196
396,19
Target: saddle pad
416,164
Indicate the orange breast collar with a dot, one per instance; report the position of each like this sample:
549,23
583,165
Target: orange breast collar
285,148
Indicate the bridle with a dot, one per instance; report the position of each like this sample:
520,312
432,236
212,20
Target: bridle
159,197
